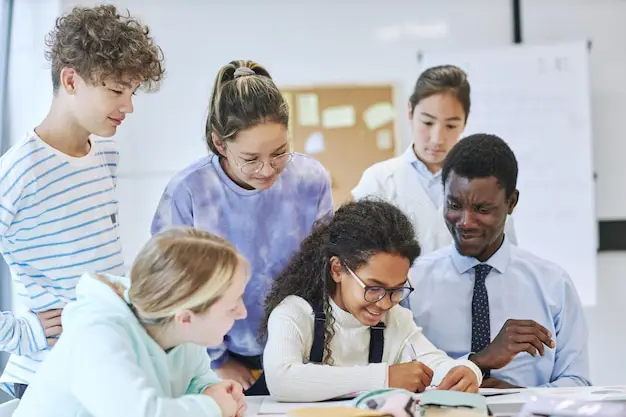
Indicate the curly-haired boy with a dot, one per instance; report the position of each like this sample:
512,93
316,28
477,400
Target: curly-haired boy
58,210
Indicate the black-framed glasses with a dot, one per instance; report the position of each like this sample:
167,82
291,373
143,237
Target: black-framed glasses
375,293
253,167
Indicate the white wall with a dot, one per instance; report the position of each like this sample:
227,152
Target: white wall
601,21
30,89
329,41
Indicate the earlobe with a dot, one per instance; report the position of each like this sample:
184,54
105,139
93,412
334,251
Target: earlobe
183,318
335,269
68,79
513,201
410,109
219,145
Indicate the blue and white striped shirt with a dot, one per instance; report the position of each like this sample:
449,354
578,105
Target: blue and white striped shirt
58,220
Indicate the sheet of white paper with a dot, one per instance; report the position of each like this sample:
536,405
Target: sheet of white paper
338,117
308,110
271,406
617,393
490,392
378,115
314,144
384,141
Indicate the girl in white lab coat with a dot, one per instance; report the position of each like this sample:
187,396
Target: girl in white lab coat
438,110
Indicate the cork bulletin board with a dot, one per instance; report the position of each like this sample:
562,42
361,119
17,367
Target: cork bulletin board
347,128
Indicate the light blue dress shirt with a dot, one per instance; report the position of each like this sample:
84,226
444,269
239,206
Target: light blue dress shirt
430,182
520,286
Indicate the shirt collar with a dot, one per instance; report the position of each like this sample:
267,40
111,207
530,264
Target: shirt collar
499,260
422,169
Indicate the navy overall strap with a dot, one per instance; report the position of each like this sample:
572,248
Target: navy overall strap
377,338
319,324
377,342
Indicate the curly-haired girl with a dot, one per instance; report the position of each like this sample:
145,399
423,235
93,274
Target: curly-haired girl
334,326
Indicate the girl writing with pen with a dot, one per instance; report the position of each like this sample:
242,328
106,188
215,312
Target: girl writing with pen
333,323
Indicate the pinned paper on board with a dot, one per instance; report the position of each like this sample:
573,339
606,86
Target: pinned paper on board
308,110
338,117
384,140
314,144
378,115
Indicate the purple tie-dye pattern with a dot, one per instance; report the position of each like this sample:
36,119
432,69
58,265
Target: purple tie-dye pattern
266,226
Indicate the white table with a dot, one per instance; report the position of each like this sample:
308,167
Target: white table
500,405
504,404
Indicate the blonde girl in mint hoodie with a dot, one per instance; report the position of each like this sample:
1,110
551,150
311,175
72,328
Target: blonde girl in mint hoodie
138,348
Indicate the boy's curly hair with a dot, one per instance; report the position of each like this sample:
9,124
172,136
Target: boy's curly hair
102,44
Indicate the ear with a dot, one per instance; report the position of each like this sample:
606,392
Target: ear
410,109
336,269
183,317
513,201
69,79
219,145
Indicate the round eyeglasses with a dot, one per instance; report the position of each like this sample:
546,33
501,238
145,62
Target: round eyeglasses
375,293
254,167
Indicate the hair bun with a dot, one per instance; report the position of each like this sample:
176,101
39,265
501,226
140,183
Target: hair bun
243,72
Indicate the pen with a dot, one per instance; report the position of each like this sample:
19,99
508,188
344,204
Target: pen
416,360
414,352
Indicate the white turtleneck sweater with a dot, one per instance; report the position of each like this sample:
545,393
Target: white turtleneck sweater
290,335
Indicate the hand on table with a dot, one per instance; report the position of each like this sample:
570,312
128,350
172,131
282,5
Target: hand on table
229,396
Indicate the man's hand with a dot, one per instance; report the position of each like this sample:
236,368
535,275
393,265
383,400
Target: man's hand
497,383
237,372
516,336
51,323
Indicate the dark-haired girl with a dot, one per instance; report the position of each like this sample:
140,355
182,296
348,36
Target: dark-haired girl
438,110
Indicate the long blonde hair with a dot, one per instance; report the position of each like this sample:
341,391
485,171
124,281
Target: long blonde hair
180,268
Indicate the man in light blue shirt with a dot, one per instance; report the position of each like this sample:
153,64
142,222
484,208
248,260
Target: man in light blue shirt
517,316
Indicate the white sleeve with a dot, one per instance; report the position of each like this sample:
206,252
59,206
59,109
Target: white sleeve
106,380
369,185
203,376
290,378
434,358
21,335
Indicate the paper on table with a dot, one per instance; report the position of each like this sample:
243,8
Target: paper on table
271,406
490,392
337,117
308,112
584,393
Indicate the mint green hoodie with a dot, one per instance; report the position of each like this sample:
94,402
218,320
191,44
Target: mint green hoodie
106,365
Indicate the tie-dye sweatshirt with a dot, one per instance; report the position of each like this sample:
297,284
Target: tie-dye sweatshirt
266,226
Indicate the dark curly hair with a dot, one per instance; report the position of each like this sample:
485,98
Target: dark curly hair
442,79
356,232
101,44
480,156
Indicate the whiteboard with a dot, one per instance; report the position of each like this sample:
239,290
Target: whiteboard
537,98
